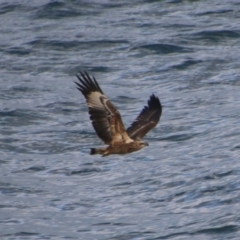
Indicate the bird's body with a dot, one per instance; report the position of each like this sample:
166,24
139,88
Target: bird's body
107,121
119,148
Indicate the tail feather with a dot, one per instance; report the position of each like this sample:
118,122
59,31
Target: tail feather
93,151
97,151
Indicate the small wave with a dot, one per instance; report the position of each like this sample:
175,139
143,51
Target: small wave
82,171
20,117
159,48
71,45
31,169
6,8
179,137
56,10
220,229
214,12
25,234
19,51
217,35
11,190
186,64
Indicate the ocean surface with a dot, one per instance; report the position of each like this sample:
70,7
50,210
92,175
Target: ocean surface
185,185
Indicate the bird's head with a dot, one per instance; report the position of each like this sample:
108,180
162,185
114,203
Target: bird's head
144,144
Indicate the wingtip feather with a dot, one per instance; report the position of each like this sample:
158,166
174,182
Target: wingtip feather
87,84
154,102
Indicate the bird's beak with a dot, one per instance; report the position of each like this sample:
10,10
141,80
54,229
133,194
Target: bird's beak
146,144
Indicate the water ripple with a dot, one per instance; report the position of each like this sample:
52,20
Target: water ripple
185,185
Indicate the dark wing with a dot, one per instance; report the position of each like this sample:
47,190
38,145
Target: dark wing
147,119
106,119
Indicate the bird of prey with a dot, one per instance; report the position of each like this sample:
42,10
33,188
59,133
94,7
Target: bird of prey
107,121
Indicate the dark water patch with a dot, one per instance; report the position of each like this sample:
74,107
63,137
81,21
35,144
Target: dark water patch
167,198
101,69
233,134
19,51
120,224
85,171
162,48
62,108
174,184
31,236
174,128
186,64
138,182
58,10
172,236
31,169
14,191
205,192
222,82
157,200
10,206
71,206
10,221
214,12
83,230
59,140
73,123
124,100
35,147
133,235
54,45
122,185
216,35
11,148
217,175
114,4
19,92
9,145
57,104
211,189
219,230
3,161
236,148
179,137
17,117
43,147
74,45
22,89
9,140
6,8
90,69
25,234
71,134
83,204
209,204
82,172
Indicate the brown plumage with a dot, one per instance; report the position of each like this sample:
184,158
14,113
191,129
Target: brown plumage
107,121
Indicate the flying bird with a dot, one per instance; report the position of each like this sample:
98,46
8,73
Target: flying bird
107,121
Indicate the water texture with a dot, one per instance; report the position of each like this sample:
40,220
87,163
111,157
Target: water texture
185,185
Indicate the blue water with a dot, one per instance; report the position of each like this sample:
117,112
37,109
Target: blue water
185,185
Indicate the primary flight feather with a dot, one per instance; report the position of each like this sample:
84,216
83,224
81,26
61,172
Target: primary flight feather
107,121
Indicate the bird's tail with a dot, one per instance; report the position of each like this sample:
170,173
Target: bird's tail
101,151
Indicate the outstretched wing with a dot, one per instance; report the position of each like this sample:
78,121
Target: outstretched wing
106,119
147,119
